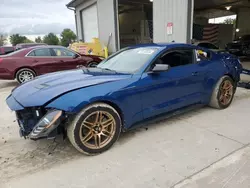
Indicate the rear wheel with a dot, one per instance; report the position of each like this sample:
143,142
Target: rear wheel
24,75
95,129
223,93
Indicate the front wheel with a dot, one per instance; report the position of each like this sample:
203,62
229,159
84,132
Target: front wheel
223,93
24,75
95,129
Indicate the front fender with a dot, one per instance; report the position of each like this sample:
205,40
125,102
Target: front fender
122,94
75,101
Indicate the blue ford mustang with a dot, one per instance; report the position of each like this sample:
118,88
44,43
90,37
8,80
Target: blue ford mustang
137,84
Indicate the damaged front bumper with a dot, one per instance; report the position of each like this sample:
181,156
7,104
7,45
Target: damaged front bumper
34,125
37,122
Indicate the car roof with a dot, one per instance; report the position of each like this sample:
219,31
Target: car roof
31,44
199,42
47,46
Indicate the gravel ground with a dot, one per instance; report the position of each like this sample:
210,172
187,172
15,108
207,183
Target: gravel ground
203,148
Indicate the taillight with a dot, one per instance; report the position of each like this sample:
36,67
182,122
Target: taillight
1,60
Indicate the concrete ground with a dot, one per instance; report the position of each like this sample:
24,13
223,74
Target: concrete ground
200,149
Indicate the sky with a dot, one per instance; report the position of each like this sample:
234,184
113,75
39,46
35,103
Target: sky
35,17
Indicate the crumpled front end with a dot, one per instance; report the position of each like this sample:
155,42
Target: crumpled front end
37,122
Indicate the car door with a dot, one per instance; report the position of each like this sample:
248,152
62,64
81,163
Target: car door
67,59
41,60
180,86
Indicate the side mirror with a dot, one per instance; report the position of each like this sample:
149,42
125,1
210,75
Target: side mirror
160,68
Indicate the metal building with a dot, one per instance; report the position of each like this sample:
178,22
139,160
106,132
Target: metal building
128,21
121,23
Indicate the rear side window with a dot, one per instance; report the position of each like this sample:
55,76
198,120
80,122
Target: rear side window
202,55
40,53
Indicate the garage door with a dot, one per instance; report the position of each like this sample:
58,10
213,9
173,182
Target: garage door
90,23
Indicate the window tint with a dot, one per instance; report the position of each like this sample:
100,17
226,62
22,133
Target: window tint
63,52
177,58
42,52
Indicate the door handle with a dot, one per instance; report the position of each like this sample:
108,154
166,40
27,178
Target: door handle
195,73
35,61
61,61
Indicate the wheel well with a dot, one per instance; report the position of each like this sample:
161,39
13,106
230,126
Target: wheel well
24,68
116,107
235,83
230,76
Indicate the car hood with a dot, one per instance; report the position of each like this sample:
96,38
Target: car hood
45,88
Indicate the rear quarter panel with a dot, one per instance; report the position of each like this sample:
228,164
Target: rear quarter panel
219,66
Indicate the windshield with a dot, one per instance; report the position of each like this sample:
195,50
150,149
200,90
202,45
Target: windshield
129,60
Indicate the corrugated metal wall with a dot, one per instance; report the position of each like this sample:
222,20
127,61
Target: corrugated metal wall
178,12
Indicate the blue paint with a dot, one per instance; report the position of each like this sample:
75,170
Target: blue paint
138,95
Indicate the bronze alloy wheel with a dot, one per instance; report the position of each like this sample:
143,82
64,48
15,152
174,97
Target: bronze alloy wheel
226,92
97,129
223,93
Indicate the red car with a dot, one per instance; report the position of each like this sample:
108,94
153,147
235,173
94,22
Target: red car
25,64
6,49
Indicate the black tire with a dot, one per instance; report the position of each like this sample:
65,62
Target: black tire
21,72
92,64
215,101
75,129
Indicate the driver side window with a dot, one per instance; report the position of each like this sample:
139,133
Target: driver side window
63,52
177,58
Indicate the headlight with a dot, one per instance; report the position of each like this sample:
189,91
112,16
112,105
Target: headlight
46,125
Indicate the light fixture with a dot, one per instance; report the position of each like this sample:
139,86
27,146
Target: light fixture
237,30
228,7
151,0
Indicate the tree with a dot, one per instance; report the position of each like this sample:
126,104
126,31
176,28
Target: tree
230,21
67,37
16,39
28,41
51,39
2,40
38,40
